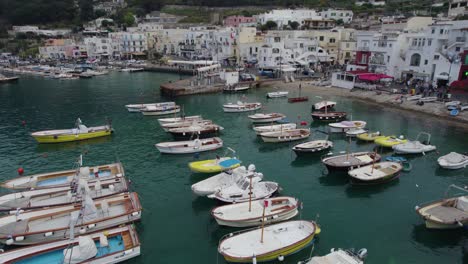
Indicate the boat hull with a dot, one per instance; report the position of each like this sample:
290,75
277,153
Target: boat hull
385,179
258,221
281,139
69,138
434,225
300,152
199,134
328,117
189,150
298,99
209,166
160,113
267,120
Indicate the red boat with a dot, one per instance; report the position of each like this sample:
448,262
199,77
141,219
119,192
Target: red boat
298,99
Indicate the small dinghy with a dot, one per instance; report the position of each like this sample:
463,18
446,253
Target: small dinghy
453,161
312,146
277,94
190,146
110,246
416,146
214,165
168,126
414,97
340,256
200,131
64,178
345,126
236,89
225,179
80,132
427,99
369,136
266,118
298,99
268,243
262,129
38,226
135,108
250,213
285,135
328,116
406,164
245,189
377,173
179,119
241,107
355,132
350,161
390,141
321,106
158,111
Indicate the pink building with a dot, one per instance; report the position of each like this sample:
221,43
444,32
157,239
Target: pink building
234,21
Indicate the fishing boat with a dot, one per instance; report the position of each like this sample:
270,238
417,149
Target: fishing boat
453,161
179,119
328,116
235,88
57,196
158,111
241,107
190,146
225,179
355,132
272,128
64,178
369,136
266,118
250,213
196,130
322,105
109,246
277,94
377,173
312,146
42,225
390,141
214,165
449,213
80,132
244,190
135,108
416,146
269,243
340,256
345,126
285,135
350,161
167,126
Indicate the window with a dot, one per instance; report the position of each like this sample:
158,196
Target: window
433,31
436,57
332,40
462,4
388,58
321,38
457,49
454,5
429,42
349,78
275,51
364,59
441,31
256,49
415,60
250,52
426,62
390,45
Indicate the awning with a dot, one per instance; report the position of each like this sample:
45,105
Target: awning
373,77
442,76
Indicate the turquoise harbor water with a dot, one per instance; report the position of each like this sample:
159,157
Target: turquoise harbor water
176,226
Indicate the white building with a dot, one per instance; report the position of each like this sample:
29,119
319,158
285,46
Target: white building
127,44
458,8
336,14
98,47
283,17
370,2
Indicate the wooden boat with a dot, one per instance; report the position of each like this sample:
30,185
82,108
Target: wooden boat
278,241
244,190
110,246
285,135
262,129
179,119
266,118
64,178
390,141
340,256
369,136
328,116
350,161
167,126
277,94
38,226
241,107
190,146
298,99
321,106
135,108
214,165
312,146
158,111
226,179
80,132
57,196
453,161
345,126
377,173
416,146
250,213
235,89
200,131
355,132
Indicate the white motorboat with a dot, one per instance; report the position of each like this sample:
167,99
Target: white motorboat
135,108
377,173
452,103
179,119
190,146
285,135
345,126
321,106
132,69
244,190
266,118
340,256
453,161
236,88
312,146
106,247
414,97
355,132
167,126
262,129
277,94
241,107
38,226
157,111
428,99
251,213
415,147
196,130
225,179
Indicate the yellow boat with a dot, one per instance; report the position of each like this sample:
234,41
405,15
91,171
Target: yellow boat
390,141
80,132
214,165
369,136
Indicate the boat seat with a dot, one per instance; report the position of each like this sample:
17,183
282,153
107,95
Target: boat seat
281,208
448,214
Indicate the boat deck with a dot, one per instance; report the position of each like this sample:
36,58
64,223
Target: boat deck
447,214
349,160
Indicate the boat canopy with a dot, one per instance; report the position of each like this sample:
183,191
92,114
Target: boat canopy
89,209
85,250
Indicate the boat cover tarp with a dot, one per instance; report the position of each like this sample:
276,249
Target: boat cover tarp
229,163
454,157
333,258
86,249
89,209
462,203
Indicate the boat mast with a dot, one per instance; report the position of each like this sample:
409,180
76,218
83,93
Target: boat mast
265,205
347,149
250,193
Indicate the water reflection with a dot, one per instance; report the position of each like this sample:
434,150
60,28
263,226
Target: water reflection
366,191
434,238
334,179
83,144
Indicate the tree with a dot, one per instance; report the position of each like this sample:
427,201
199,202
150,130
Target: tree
294,25
86,10
128,19
271,25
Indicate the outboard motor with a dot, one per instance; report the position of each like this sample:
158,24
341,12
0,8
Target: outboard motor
251,168
362,253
